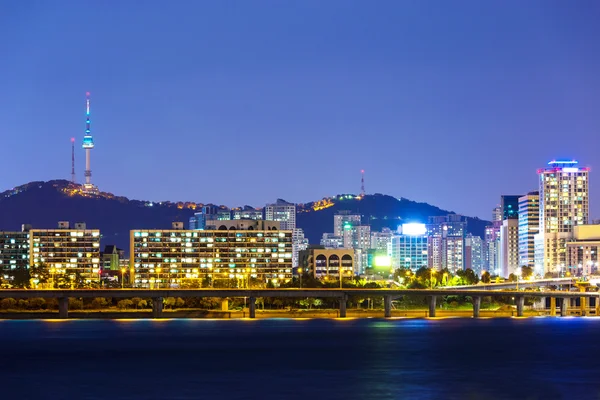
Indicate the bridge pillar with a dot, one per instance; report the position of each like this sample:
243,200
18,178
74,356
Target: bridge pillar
552,306
564,307
225,305
476,306
252,307
387,306
343,307
583,306
597,299
520,300
157,307
63,307
432,300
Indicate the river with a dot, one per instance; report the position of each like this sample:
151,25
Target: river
448,358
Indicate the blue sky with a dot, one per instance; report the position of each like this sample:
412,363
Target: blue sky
242,102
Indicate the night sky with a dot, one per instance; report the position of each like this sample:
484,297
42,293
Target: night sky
241,102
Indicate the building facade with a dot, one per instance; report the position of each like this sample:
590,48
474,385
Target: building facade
509,247
582,250
283,212
529,226
236,254
564,204
409,249
474,254
342,219
446,242
328,263
329,241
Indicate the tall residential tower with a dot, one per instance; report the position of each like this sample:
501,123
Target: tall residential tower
564,204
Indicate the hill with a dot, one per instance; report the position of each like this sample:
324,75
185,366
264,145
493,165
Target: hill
43,204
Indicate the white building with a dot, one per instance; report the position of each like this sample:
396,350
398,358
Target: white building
381,240
283,212
299,243
509,247
409,248
564,204
529,226
330,241
344,218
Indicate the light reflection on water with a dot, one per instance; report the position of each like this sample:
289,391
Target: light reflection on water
441,358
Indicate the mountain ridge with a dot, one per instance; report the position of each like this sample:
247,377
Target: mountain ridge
43,203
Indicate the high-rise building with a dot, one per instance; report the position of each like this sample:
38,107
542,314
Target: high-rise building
509,247
342,219
492,248
446,242
14,251
474,254
497,213
564,204
509,206
329,241
358,237
198,221
529,226
242,250
283,212
409,248
381,240
509,235
299,243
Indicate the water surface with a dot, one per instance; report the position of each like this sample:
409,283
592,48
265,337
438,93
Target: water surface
460,358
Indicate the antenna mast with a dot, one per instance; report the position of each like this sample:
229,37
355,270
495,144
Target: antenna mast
72,160
362,183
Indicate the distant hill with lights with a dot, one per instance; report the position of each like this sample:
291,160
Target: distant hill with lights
43,204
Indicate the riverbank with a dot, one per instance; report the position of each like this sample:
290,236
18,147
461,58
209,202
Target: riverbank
264,314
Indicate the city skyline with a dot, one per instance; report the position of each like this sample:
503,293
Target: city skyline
372,87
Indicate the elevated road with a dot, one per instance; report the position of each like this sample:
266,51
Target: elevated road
514,285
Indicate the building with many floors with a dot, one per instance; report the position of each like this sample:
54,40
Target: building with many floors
247,252
582,250
564,204
529,226
328,263
283,212
408,249
446,242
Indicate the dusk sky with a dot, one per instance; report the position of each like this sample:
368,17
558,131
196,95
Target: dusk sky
453,103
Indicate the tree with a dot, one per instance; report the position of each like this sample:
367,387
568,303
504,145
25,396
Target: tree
179,302
37,303
21,278
75,304
143,304
136,301
8,303
526,272
318,302
99,303
124,304
485,277
169,302
23,304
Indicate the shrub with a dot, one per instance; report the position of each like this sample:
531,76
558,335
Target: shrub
8,303
23,304
37,303
179,302
75,304
99,302
125,304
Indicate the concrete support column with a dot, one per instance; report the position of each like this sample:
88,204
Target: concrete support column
252,307
387,306
432,300
343,307
597,299
476,306
63,307
564,307
520,300
583,306
225,305
552,306
157,307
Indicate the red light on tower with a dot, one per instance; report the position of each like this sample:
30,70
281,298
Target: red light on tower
72,140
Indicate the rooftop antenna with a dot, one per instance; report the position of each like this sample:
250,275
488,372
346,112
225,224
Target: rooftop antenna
362,183
72,160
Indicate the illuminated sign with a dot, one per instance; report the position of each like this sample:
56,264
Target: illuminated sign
414,229
382,262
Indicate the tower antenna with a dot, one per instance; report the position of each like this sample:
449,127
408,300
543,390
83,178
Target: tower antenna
88,145
362,183
72,160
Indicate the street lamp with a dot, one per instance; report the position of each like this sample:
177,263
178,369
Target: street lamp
300,273
131,272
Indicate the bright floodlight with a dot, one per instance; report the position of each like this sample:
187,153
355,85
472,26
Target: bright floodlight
414,229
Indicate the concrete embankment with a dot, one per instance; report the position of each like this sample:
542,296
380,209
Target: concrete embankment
260,314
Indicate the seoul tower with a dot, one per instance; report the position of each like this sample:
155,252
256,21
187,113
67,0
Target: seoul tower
88,144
